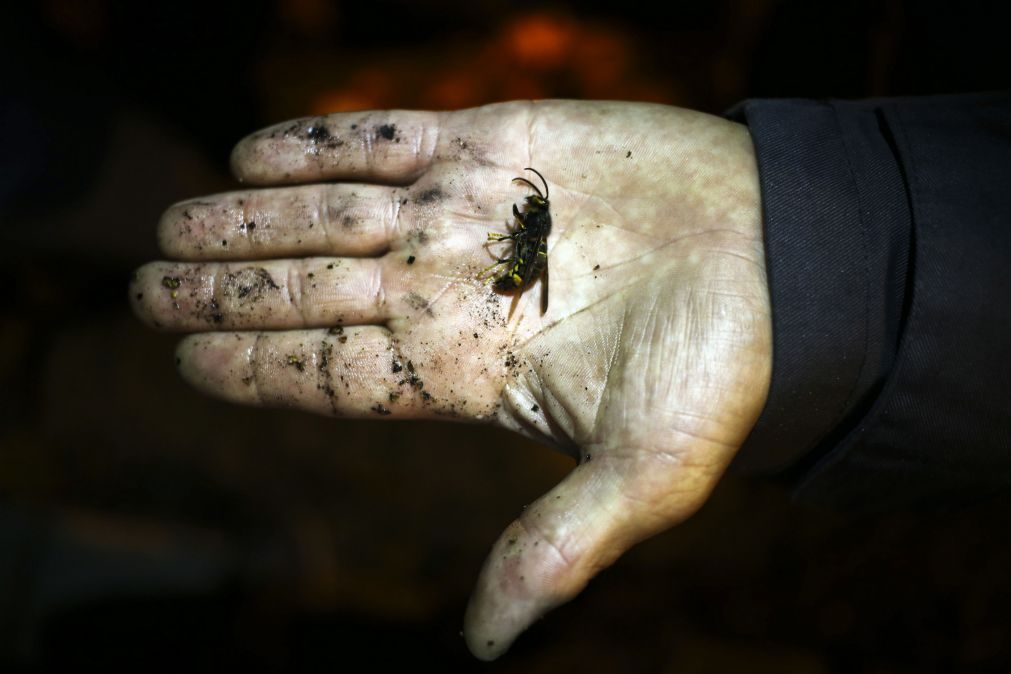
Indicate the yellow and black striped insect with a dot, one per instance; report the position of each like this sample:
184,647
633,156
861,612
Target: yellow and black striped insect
528,260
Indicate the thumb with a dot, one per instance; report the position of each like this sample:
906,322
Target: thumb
548,555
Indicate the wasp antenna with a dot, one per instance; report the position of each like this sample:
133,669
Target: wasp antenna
542,180
534,187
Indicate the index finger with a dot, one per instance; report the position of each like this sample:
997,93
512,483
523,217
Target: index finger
389,146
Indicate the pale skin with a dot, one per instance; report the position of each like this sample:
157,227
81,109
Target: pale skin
347,281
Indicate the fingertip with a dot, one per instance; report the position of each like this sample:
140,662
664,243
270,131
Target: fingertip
281,153
523,578
242,160
547,556
182,359
174,225
135,297
488,631
166,232
187,366
219,364
146,302
484,649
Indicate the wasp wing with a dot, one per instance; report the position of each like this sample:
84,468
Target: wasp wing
544,289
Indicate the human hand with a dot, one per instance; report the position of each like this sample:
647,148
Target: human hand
363,298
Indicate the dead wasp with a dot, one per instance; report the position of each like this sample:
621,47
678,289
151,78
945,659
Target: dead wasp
528,260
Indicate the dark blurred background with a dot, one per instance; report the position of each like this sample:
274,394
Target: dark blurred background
146,528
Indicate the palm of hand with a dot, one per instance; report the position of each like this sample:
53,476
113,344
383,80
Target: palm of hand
651,363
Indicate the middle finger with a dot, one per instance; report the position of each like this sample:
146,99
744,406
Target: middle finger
267,294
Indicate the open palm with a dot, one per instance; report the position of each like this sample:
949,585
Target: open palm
365,297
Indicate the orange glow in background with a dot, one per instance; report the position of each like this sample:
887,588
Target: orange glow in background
530,56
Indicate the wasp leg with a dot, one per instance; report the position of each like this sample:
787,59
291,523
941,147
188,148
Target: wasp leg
492,236
519,216
485,271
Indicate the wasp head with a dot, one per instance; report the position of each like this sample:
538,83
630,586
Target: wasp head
537,202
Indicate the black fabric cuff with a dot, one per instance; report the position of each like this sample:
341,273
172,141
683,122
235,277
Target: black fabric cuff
837,239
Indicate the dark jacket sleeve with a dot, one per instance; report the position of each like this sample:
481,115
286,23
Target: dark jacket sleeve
888,251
